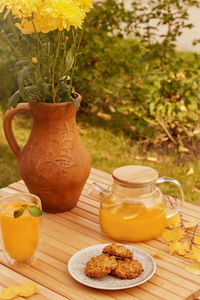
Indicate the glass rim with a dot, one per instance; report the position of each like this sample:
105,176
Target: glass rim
22,194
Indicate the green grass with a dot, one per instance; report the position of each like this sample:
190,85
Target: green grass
110,146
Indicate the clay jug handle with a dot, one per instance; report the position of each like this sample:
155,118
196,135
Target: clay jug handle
7,125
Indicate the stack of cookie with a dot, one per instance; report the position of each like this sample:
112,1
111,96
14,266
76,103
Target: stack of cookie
116,260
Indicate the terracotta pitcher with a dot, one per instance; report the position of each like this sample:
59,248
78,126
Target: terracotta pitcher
54,163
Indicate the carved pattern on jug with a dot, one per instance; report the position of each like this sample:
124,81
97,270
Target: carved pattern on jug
53,164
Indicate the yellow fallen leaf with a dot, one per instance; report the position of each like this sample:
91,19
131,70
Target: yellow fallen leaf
183,108
83,131
9,293
180,76
173,235
151,158
190,224
195,190
24,290
125,112
193,268
194,254
190,255
103,116
183,149
111,109
190,172
196,132
139,157
180,248
132,128
107,100
197,240
157,254
174,221
27,290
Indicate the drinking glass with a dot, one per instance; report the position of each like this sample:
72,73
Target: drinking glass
20,222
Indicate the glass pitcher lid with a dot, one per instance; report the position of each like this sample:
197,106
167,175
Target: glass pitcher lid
135,175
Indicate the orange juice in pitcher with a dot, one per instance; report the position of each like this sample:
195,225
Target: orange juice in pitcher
135,209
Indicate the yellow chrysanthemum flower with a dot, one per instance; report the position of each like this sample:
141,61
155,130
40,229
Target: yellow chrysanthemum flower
57,14
63,14
85,5
46,15
28,27
21,8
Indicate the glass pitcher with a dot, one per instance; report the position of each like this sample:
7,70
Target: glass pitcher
134,209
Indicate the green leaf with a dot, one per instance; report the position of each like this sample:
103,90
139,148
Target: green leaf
45,89
64,88
21,63
18,213
69,60
75,102
14,99
30,92
35,211
22,76
108,91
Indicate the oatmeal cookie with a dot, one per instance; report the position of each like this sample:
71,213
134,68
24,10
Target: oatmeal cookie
118,250
127,269
100,266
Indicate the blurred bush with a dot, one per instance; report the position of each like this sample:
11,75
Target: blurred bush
8,73
126,66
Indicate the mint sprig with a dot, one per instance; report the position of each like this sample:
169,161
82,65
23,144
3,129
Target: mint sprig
18,213
33,210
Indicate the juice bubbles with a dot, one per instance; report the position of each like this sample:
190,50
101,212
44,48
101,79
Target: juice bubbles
132,221
20,235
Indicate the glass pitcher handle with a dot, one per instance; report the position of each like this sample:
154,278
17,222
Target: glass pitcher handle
99,191
168,179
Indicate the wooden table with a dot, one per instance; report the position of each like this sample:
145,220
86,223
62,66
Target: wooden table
64,234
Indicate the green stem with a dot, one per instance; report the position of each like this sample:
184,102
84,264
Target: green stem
54,91
40,44
39,40
62,61
10,45
166,130
13,28
75,62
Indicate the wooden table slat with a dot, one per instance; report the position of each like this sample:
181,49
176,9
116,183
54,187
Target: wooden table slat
9,277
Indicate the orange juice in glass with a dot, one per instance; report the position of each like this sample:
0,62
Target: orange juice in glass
20,224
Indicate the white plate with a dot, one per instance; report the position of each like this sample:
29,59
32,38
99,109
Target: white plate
78,261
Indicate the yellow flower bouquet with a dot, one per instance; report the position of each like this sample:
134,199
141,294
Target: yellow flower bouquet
46,34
